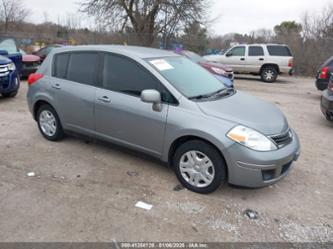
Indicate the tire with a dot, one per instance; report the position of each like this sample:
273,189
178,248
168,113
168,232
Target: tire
10,95
49,124
192,175
269,74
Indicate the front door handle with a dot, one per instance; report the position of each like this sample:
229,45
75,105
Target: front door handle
105,99
56,86
242,59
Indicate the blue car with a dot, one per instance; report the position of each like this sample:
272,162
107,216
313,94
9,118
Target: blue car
10,66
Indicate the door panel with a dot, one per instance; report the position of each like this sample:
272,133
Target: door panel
75,105
126,119
255,59
236,59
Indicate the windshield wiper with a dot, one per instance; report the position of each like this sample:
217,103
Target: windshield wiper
219,93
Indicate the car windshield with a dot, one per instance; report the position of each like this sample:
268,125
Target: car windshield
193,56
9,45
186,76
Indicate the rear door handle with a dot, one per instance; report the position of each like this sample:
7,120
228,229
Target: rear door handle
105,99
261,59
56,86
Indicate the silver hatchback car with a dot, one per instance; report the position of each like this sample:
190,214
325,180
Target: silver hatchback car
163,104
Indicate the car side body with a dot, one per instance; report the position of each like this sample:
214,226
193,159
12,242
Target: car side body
125,117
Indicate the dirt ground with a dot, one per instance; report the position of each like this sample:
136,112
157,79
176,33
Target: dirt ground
87,191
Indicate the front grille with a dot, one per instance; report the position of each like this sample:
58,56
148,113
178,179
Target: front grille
283,139
4,71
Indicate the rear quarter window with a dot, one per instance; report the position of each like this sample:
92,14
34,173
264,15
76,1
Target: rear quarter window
279,51
60,65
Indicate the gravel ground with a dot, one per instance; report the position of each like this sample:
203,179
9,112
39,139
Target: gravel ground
87,190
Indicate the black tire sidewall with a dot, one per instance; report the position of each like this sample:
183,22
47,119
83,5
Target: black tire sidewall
59,131
214,156
267,69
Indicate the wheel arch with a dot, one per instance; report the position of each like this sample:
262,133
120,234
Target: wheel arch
38,104
185,138
270,65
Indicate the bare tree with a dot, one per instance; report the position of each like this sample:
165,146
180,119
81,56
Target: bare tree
147,18
12,11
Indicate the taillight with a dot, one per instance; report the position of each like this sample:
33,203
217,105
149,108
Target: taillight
324,73
291,63
34,77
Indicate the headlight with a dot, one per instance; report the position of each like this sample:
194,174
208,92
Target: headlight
251,139
11,67
219,71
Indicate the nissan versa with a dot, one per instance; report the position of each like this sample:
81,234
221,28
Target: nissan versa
165,105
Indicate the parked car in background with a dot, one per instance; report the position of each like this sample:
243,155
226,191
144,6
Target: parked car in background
222,72
10,66
163,104
43,52
30,63
324,73
266,60
327,101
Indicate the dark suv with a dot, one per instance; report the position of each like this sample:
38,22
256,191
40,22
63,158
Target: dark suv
10,66
323,74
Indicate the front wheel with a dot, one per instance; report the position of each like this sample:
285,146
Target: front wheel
199,166
269,74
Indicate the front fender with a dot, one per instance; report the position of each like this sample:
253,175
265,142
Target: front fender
182,123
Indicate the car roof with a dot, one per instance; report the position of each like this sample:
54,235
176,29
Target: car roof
141,52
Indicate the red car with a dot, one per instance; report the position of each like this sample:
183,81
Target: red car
222,72
43,52
30,64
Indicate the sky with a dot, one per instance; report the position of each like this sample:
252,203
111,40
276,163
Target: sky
232,16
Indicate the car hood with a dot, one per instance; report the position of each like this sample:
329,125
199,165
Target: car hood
244,109
4,60
30,58
208,64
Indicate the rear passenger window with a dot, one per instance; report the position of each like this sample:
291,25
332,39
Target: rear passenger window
256,51
60,65
279,51
126,76
82,67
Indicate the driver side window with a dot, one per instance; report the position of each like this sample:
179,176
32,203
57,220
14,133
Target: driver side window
237,51
121,74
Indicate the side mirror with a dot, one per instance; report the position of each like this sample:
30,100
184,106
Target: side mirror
229,54
154,97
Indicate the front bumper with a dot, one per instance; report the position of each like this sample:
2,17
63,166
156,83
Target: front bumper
326,105
321,84
257,169
9,83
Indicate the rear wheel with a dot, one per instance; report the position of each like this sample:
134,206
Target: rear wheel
49,123
269,74
199,166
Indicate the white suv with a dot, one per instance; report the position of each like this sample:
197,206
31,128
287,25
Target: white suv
266,60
